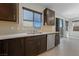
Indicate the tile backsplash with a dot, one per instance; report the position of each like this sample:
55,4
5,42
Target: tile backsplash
13,27
47,28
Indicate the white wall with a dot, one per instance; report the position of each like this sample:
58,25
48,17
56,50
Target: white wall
73,34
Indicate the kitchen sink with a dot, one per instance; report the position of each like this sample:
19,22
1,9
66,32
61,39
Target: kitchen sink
34,32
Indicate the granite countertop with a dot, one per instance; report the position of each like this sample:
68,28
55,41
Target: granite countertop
22,34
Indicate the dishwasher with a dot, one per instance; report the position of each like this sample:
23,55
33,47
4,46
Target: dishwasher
50,41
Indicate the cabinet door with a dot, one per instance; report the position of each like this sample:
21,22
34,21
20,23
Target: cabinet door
8,11
31,46
16,47
57,39
3,47
49,17
35,45
43,42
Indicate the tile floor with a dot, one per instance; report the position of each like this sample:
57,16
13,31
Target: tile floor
67,47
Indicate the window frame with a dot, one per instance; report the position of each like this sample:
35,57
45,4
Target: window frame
37,21
24,8
23,15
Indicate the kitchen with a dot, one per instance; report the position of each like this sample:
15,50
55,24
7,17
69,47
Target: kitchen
27,29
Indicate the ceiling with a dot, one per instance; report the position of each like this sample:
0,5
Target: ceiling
66,10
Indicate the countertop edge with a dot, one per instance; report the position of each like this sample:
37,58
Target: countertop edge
19,35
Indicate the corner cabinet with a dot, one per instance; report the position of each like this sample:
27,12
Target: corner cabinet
49,17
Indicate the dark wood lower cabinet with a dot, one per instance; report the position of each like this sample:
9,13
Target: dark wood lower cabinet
43,43
16,47
31,46
57,39
35,45
12,47
27,46
3,47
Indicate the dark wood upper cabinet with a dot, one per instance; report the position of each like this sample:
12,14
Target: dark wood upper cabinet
8,11
49,17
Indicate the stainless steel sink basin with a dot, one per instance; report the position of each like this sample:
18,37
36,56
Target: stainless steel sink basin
34,32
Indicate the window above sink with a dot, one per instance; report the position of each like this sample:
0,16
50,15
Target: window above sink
32,18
